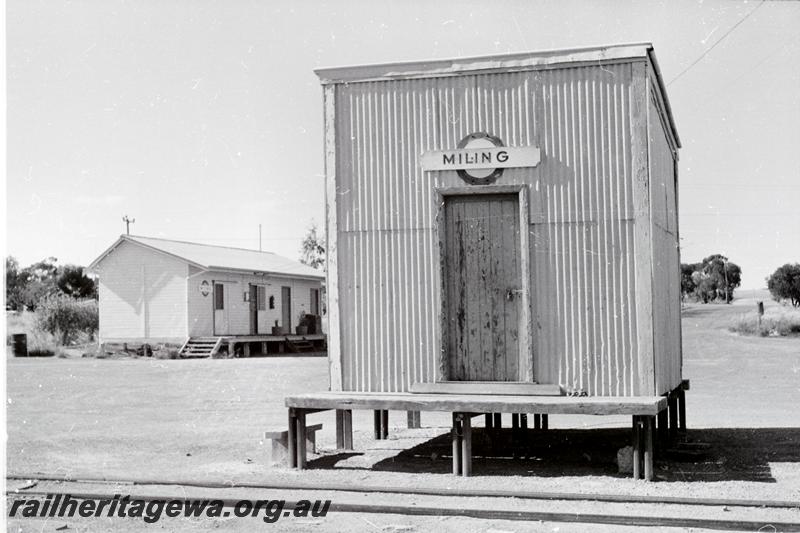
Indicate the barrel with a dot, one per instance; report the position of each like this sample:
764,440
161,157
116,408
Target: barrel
20,344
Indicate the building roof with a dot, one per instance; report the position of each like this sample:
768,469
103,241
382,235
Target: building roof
209,257
463,65
498,63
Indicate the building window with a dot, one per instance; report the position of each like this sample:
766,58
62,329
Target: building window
261,296
219,296
272,302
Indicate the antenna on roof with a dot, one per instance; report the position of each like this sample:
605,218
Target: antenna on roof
128,222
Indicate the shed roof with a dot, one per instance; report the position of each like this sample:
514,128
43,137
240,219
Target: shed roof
209,257
498,63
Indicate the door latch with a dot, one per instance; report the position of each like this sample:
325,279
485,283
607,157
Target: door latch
511,292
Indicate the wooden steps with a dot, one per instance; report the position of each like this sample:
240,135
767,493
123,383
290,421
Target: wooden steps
200,347
299,345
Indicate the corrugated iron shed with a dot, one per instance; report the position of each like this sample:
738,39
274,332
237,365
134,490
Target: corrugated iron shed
599,290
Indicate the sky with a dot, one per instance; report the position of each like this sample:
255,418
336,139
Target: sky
202,119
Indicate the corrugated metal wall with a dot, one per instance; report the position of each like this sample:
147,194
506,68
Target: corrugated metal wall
666,259
581,214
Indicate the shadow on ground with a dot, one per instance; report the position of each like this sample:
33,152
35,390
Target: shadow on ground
702,455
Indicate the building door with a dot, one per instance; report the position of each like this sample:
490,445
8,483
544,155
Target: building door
286,309
253,309
482,287
314,299
222,324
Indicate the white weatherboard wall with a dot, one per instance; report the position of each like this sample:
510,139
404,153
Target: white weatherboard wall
201,308
141,295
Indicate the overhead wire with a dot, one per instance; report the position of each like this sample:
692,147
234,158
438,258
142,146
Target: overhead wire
704,54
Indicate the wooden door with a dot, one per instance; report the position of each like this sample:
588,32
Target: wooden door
482,287
221,312
286,309
253,309
314,299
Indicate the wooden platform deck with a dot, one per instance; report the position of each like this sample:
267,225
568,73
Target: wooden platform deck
643,409
272,338
284,343
480,403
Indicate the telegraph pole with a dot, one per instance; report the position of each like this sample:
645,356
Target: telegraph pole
727,290
128,222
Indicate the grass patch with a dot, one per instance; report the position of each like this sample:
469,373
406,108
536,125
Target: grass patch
778,321
41,343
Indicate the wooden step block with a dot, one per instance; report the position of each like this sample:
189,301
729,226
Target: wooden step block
279,451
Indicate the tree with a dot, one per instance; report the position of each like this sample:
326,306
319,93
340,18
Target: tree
715,278
72,281
66,318
688,286
784,284
27,287
705,286
726,275
14,284
38,282
312,250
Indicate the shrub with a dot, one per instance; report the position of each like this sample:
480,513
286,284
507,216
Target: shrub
784,284
779,323
41,343
67,318
166,353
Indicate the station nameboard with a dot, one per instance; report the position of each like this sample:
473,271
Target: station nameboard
477,158
205,288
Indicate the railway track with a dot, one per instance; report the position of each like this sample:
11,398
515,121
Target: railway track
616,509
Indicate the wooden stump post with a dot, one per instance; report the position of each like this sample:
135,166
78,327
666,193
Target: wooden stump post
384,424
347,419
377,416
456,435
339,429
344,429
649,423
301,439
466,444
637,447
663,430
672,405
292,439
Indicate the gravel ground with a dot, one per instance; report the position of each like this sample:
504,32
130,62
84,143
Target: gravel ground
202,420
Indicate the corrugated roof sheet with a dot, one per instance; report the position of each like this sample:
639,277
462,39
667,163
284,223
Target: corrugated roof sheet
466,65
531,60
225,258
